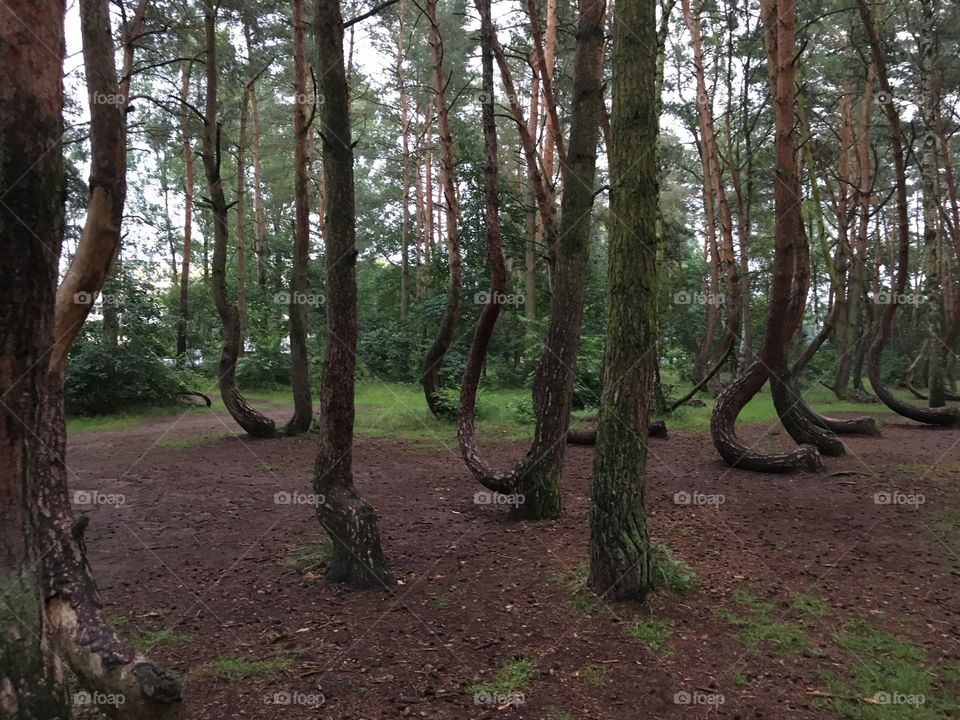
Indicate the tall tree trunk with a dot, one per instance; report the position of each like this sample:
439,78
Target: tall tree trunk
430,375
51,610
299,273
791,264
259,216
187,149
350,521
620,566
405,172
930,184
242,218
947,416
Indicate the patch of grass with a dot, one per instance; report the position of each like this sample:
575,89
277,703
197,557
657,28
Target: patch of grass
455,595
809,606
739,679
149,638
236,670
511,677
670,571
308,556
890,672
196,440
555,713
748,600
653,631
594,676
758,629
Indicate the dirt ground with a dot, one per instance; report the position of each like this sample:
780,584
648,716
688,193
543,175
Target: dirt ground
199,546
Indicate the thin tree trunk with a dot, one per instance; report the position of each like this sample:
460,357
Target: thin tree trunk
242,218
187,149
252,422
349,520
405,194
949,417
430,375
299,273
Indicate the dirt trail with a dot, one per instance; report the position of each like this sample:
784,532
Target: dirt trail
200,542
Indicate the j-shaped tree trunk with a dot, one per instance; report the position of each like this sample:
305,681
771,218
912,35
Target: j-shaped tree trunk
299,273
791,263
945,416
430,373
51,611
620,566
252,422
350,521
537,475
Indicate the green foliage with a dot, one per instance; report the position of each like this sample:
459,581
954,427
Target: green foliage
268,367
586,389
103,378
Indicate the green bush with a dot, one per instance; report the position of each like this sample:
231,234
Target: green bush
265,368
102,379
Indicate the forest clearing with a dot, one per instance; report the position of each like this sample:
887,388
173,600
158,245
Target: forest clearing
445,359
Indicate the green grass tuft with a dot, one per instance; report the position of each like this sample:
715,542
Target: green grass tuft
236,670
653,631
670,571
511,677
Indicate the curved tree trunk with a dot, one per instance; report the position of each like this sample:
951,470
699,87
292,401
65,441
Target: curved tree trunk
348,519
51,610
537,475
946,416
253,423
791,265
430,375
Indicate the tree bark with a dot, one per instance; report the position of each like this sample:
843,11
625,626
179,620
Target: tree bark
947,416
252,422
791,264
430,375
299,274
51,610
187,149
537,475
349,520
620,560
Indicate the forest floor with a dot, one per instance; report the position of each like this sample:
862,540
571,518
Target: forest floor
813,597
